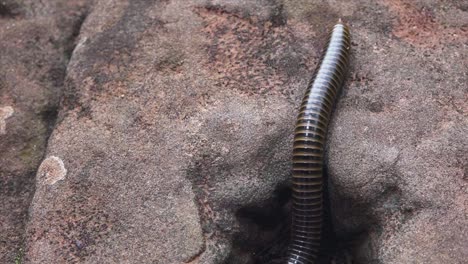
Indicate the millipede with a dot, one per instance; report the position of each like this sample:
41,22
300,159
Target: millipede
309,145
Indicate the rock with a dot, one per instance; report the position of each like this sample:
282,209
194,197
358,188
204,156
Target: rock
174,132
34,41
157,134
397,152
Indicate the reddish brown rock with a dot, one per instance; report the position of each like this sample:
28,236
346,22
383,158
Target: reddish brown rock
174,132
35,40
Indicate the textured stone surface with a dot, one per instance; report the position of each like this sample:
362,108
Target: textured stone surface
397,155
174,132
35,42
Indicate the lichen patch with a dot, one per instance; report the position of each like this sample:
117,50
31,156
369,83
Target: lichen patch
51,170
5,113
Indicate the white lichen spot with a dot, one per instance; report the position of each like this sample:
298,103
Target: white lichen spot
51,170
5,112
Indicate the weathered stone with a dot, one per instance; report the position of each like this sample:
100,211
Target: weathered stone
34,41
174,135
397,153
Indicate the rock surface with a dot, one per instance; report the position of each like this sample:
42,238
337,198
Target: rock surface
35,42
173,138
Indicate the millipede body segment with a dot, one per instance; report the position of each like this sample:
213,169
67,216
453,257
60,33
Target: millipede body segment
309,143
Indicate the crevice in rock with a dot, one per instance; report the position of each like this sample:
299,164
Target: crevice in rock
70,41
57,76
266,227
199,179
49,114
68,96
196,258
348,237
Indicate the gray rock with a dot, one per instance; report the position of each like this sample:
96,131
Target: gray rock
34,42
174,133
397,153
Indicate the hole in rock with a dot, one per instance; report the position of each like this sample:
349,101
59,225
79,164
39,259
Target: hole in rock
266,229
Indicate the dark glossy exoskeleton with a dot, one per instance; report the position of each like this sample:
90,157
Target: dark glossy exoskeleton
309,144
